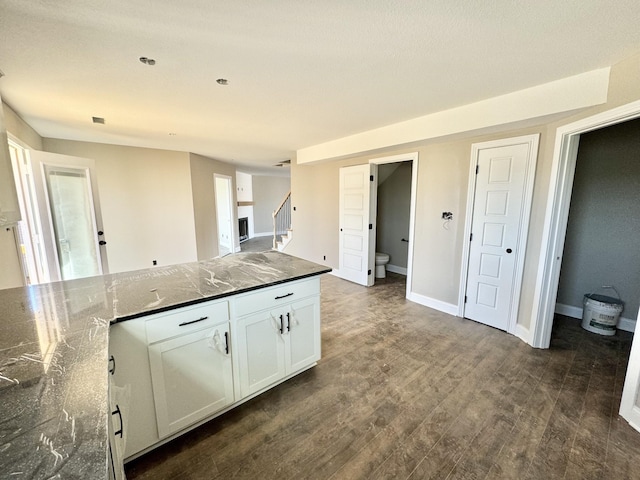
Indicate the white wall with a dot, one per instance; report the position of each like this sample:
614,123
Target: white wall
146,200
203,170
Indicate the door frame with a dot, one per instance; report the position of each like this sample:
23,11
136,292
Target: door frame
44,206
533,141
232,240
413,158
557,214
629,409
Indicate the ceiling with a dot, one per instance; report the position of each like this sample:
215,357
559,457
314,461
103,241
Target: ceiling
299,73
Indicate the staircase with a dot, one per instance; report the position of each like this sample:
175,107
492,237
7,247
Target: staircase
282,232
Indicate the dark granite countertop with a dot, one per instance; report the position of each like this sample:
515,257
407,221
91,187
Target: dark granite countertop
54,352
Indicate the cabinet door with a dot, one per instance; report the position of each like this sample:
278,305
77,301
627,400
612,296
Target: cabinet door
192,377
303,334
118,402
260,351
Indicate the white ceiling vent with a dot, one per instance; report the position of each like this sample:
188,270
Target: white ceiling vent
98,120
284,163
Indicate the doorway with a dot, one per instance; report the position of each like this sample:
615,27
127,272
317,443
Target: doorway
602,224
62,235
393,215
553,241
224,200
358,219
556,217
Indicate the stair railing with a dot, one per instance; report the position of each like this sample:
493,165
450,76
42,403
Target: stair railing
282,218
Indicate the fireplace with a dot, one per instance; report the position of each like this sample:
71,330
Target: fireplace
243,228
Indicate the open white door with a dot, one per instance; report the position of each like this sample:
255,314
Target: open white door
69,209
358,189
504,172
630,404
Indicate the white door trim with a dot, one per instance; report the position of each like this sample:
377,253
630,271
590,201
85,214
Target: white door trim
39,160
557,214
406,157
533,141
629,407
232,240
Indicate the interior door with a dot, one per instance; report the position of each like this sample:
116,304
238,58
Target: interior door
357,223
222,187
630,404
69,209
497,214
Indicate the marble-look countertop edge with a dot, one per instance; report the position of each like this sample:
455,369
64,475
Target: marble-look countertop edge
196,301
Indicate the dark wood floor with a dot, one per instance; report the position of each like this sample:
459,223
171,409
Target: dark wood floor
403,391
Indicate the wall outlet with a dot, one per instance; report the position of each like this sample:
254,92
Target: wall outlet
155,262
447,215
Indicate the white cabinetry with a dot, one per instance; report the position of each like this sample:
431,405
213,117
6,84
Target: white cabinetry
280,340
191,373
128,348
185,366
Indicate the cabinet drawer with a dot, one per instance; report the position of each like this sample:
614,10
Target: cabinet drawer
185,320
274,296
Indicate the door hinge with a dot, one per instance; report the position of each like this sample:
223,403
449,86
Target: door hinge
371,178
368,272
465,299
477,168
471,237
371,226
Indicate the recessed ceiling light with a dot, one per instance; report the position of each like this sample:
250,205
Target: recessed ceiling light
147,61
222,81
98,120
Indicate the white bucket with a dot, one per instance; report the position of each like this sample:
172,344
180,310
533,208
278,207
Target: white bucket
600,313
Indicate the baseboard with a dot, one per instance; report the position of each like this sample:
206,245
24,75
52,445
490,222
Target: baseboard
263,234
396,269
522,333
433,303
624,324
568,310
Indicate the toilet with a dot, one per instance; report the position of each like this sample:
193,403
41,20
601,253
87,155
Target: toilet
381,260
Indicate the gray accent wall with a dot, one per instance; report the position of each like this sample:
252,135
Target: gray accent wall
268,192
394,206
601,246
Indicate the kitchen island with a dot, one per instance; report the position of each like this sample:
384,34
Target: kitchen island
54,350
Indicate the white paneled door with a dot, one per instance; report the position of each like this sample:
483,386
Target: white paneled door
499,209
357,227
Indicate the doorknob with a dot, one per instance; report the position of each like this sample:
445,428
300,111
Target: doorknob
100,232
509,250
102,242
